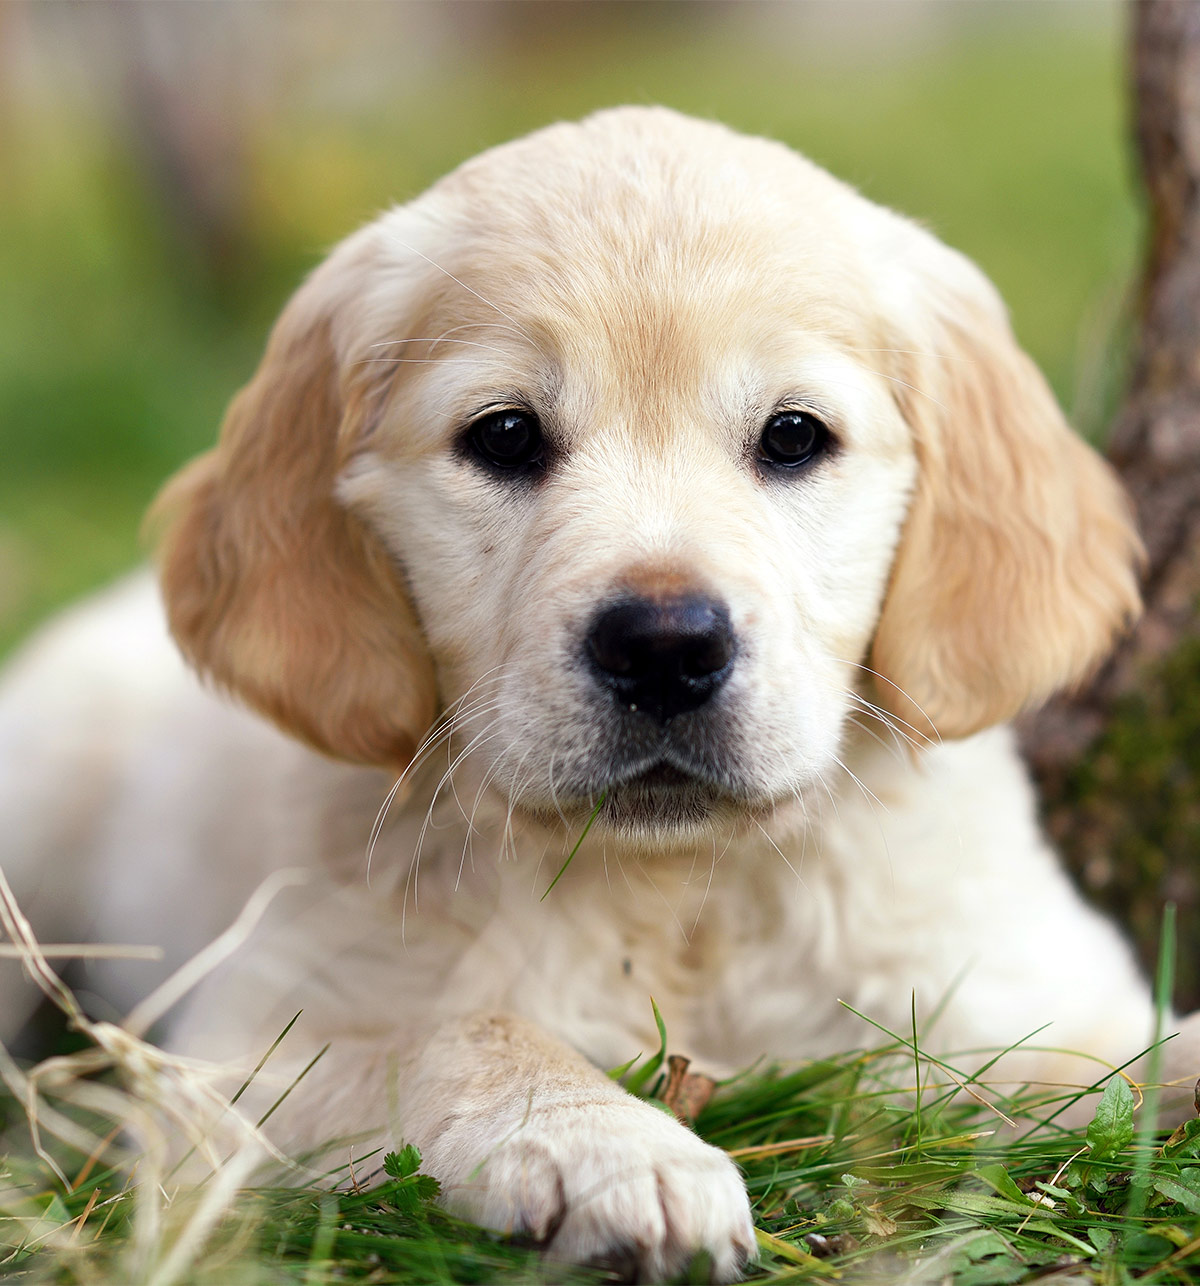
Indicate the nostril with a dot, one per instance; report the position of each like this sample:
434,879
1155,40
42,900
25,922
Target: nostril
708,650
662,656
617,637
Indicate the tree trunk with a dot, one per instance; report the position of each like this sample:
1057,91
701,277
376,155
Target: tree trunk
1119,761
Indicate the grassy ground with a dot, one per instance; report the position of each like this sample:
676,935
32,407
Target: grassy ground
853,1177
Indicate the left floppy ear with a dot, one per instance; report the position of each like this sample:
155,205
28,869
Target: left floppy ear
273,588
1017,565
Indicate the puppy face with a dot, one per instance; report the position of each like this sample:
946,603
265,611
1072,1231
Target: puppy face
616,439
608,551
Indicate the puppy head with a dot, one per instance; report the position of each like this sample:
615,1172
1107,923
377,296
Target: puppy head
659,433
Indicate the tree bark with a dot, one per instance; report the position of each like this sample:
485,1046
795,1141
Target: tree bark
1146,696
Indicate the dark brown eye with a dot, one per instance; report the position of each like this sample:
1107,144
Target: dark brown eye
507,439
792,438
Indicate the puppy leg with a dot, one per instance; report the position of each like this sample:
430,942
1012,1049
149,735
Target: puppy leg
527,1136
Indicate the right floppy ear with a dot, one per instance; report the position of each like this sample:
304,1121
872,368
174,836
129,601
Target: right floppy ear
1017,568
272,588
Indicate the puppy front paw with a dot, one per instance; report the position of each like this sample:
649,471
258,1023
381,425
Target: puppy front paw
612,1181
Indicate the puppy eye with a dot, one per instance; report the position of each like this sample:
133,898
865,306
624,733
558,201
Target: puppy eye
508,439
793,438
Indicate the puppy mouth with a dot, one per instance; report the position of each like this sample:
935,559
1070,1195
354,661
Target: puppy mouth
663,776
649,784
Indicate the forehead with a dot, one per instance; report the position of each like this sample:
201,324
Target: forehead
643,262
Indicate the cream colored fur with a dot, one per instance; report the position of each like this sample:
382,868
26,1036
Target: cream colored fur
654,288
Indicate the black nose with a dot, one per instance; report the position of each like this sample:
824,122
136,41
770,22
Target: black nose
664,657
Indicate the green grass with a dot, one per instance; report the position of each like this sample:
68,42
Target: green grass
852,1178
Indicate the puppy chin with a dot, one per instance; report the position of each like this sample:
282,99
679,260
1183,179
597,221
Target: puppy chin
662,807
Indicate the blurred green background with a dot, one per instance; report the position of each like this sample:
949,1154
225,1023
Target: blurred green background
168,172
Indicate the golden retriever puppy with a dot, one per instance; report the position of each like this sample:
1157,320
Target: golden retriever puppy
643,483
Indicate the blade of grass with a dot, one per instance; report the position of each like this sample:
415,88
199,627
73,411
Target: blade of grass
266,1116
1164,984
637,1082
317,1269
578,845
916,1070
242,1088
615,1073
262,1062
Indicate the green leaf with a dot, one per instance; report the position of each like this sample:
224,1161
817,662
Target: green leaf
1111,1130
1185,1141
978,1205
408,1195
1053,1230
924,1172
1147,1247
1183,1189
997,1270
1000,1181
983,1244
1100,1237
785,1250
399,1165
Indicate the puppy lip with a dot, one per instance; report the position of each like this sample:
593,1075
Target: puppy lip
669,768
653,790
664,775
654,798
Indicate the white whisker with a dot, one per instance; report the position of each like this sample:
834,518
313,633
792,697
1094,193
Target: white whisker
880,715
837,812
919,352
488,709
782,854
868,794
712,871
412,361
859,665
674,911
413,876
893,748
472,830
442,730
